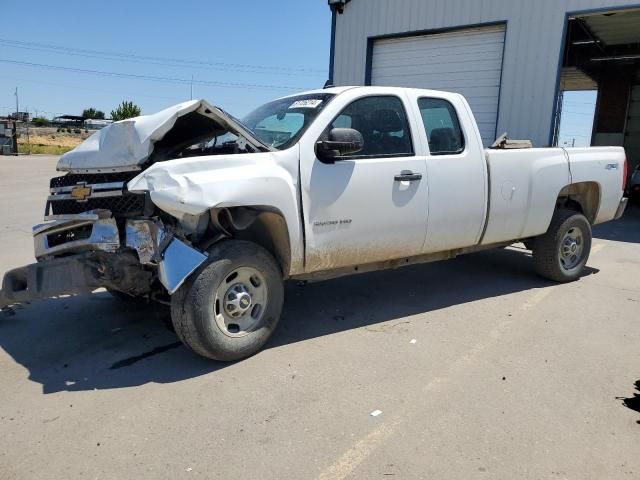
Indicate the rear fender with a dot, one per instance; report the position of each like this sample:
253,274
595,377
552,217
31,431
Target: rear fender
587,197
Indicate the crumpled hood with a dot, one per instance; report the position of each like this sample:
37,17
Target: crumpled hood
192,185
127,144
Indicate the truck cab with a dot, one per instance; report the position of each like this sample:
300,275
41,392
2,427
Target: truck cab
419,184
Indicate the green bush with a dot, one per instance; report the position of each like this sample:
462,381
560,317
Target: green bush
68,130
40,122
125,110
77,130
93,113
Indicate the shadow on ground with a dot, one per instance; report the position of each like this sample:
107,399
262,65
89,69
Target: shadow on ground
627,229
633,402
96,342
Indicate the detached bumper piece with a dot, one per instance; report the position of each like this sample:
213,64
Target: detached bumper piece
155,246
97,254
75,274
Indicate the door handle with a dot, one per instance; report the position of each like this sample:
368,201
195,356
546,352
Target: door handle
408,177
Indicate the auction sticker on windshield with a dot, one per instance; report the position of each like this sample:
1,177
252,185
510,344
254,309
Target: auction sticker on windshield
308,103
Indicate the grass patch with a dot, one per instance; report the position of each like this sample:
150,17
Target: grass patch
48,141
43,149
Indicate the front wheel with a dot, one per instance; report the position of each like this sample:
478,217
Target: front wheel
562,253
228,309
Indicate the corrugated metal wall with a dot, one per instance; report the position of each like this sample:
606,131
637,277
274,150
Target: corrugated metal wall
533,44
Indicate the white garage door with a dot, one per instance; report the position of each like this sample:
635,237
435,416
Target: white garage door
465,61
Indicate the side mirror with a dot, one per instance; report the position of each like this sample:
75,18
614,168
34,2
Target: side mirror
340,143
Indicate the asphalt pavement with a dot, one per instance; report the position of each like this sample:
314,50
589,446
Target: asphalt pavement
475,367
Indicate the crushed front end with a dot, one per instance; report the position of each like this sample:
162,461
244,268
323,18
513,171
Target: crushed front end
98,234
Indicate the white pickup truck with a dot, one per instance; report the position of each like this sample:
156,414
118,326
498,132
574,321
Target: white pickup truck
195,208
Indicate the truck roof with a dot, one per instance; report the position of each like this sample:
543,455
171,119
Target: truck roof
341,89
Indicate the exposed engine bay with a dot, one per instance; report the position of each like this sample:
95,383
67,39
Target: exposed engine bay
197,135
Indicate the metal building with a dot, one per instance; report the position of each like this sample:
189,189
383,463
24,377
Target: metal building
512,59
8,138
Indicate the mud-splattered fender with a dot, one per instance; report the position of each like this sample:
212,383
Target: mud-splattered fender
194,185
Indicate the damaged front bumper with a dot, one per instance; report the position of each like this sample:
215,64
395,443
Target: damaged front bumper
79,253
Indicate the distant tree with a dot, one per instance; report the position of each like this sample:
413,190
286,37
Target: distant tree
40,122
92,113
125,110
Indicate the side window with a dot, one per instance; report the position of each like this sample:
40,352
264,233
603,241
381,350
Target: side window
442,126
343,121
382,121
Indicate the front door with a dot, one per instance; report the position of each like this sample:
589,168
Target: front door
371,206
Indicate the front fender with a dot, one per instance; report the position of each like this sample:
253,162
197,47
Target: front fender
192,186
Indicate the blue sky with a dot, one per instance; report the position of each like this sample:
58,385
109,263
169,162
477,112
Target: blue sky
270,47
281,46
578,109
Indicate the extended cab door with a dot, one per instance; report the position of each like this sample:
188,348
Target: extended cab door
371,206
456,168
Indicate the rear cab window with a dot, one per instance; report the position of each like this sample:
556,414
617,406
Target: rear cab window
442,126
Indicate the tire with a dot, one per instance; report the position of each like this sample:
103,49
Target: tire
240,278
562,253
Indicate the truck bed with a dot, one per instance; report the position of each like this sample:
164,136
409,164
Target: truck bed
524,185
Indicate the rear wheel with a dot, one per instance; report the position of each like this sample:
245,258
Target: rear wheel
562,253
231,306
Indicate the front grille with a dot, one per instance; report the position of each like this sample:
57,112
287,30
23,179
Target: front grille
127,205
90,178
116,199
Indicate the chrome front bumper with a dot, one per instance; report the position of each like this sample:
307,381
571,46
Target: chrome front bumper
69,247
89,231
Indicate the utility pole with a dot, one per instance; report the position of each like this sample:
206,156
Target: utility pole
17,104
28,138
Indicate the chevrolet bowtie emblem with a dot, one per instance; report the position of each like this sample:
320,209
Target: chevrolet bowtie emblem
80,192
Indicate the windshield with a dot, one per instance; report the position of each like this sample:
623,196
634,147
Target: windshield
281,123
